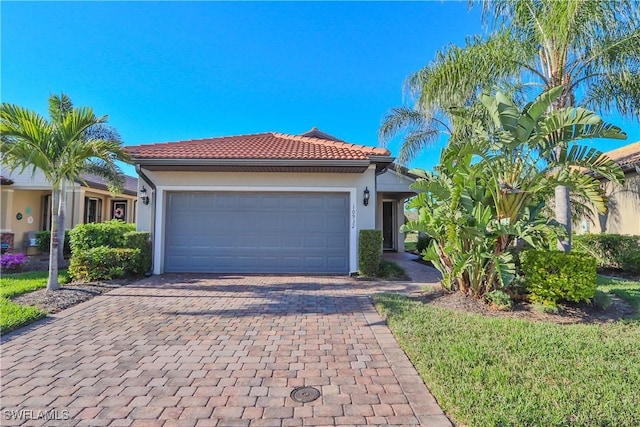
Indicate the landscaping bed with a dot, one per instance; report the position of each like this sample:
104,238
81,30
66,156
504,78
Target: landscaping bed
567,313
68,295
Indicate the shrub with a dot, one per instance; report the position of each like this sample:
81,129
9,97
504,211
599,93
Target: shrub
140,240
422,243
500,300
370,252
105,263
611,250
110,233
43,240
13,263
553,276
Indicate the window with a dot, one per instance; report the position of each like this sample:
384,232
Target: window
92,210
119,210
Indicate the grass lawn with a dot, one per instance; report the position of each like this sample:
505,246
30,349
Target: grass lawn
628,291
488,371
410,241
12,285
13,315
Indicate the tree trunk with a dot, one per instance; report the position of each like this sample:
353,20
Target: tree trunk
61,214
563,215
52,281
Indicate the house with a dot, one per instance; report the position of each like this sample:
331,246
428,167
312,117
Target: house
623,215
267,202
25,205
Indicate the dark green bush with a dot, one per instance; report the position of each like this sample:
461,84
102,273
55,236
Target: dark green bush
553,276
105,263
422,243
611,250
43,240
110,233
499,299
140,240
370,252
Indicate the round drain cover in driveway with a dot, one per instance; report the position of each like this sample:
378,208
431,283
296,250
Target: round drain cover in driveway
305,394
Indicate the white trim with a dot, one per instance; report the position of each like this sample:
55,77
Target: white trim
159,200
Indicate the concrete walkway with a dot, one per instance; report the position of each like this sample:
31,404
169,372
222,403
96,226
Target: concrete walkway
420,274
213,350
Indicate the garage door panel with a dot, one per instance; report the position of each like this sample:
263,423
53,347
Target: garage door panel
337,203
315,222
224,200
269,242
311,242
291,242
336,262
292,262
315,203
222,262
337,242
257,232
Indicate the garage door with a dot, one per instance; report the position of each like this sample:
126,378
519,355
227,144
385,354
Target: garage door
257,232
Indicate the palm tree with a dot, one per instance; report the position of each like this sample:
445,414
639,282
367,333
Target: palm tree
490,190
71,142
590,47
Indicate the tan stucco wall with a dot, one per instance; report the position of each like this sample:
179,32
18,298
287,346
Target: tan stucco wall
18,200
365,216
623,216
29,204
6,201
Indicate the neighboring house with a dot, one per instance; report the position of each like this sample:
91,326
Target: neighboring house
25,205
623,216
267,202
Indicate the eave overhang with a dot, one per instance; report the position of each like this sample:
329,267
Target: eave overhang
262,165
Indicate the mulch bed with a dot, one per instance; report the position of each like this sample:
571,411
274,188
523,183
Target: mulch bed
570,313
69,295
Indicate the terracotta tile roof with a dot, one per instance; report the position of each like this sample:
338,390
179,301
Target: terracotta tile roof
314,132
626,155
269,145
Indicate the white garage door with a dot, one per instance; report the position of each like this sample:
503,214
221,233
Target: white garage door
257,232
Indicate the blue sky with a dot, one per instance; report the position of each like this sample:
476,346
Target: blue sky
165,71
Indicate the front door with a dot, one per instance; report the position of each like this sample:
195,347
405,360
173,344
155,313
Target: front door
388,228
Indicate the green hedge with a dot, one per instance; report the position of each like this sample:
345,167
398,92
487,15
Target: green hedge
140,240
370,252
106,263
553,276
611,250
110,233
108,250
43,240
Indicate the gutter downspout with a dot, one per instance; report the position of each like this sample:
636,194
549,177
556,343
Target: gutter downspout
146,179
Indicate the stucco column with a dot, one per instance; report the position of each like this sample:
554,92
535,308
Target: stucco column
6,208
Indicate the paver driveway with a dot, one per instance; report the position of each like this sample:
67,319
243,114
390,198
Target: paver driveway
216,350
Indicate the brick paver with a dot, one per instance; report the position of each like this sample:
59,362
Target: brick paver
219,350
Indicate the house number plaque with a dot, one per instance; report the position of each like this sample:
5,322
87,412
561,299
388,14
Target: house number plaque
353,216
